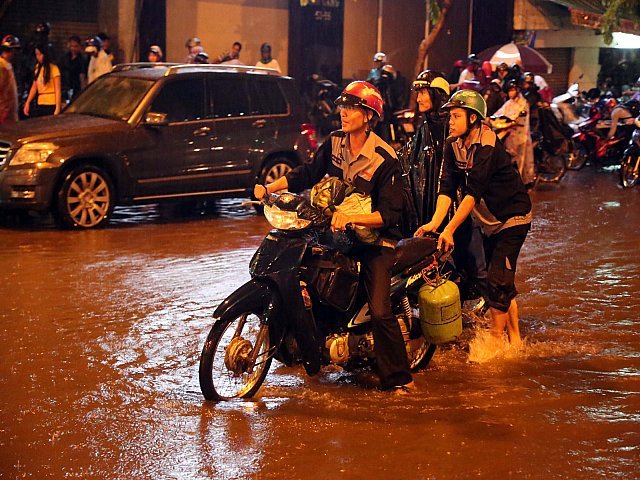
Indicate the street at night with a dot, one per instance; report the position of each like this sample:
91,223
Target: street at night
101,333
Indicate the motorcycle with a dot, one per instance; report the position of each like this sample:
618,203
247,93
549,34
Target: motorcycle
590,143
549,147
305,305
630,165
402,127
323,112
571,107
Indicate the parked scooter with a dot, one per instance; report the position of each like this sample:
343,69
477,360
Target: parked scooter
305,304
630,165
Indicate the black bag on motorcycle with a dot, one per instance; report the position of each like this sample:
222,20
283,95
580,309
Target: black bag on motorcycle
335,279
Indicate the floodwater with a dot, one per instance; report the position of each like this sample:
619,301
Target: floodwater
101,331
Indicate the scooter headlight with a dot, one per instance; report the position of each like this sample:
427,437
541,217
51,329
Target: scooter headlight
283,219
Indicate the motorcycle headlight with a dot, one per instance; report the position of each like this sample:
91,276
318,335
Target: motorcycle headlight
33,153
284,220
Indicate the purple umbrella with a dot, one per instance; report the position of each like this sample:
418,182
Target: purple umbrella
528,58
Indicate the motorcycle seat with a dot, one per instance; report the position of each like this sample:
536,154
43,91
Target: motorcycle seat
410,251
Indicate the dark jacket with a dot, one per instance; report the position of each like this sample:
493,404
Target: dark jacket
425,161
376,173
488,175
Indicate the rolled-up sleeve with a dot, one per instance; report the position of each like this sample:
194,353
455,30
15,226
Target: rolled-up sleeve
309,173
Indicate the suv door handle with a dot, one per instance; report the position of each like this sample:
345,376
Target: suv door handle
201,132
259,123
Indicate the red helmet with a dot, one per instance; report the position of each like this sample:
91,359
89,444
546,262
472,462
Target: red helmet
362,94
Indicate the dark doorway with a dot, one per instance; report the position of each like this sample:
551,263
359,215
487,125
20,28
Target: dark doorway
152,27
316,39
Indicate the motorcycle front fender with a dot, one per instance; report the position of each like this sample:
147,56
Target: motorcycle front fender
256,296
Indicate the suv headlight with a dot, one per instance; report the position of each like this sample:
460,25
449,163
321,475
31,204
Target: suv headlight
284,220
33,153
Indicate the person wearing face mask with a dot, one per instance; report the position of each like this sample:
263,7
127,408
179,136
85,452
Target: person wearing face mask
478,172
361,159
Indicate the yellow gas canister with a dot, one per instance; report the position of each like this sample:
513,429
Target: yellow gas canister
440,314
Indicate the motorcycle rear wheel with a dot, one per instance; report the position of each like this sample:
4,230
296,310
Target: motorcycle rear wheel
578,156
629,170
226,367
419,351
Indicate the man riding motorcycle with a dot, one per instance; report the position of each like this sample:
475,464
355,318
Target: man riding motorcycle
357,156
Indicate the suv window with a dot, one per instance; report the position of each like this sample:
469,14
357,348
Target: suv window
230,97
111,97
267,98
181,100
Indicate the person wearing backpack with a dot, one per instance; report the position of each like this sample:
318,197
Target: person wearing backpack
361,159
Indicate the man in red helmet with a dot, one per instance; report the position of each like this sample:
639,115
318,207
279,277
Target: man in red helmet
359,157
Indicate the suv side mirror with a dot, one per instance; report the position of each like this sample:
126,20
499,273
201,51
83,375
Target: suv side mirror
155,119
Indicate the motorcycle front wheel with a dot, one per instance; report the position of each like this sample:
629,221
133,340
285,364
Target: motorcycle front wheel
578,156
236,357
630,170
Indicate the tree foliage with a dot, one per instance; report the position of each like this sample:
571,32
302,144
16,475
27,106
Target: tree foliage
617,10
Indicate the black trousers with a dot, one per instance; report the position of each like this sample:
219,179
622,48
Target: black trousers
391,355
502,250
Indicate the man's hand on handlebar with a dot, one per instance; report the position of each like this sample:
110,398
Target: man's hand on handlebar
340,221
259,191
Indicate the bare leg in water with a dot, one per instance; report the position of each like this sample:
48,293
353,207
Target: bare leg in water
508,320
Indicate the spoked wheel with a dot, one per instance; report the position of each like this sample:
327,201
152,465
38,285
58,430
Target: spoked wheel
630,170
236,357
85,199
577,157
551,168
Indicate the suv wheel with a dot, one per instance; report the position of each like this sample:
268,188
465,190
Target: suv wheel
274,169
85,199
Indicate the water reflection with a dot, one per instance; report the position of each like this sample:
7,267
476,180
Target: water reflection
102,331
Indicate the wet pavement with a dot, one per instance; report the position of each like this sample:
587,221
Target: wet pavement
101,333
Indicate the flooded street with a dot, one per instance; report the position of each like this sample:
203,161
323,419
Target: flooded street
101,333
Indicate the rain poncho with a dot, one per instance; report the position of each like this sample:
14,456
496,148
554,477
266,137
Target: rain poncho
518,143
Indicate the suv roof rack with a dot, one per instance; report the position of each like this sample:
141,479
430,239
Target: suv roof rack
123,67
221,67
173,68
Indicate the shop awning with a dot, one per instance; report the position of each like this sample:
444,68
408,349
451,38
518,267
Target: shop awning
588,13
